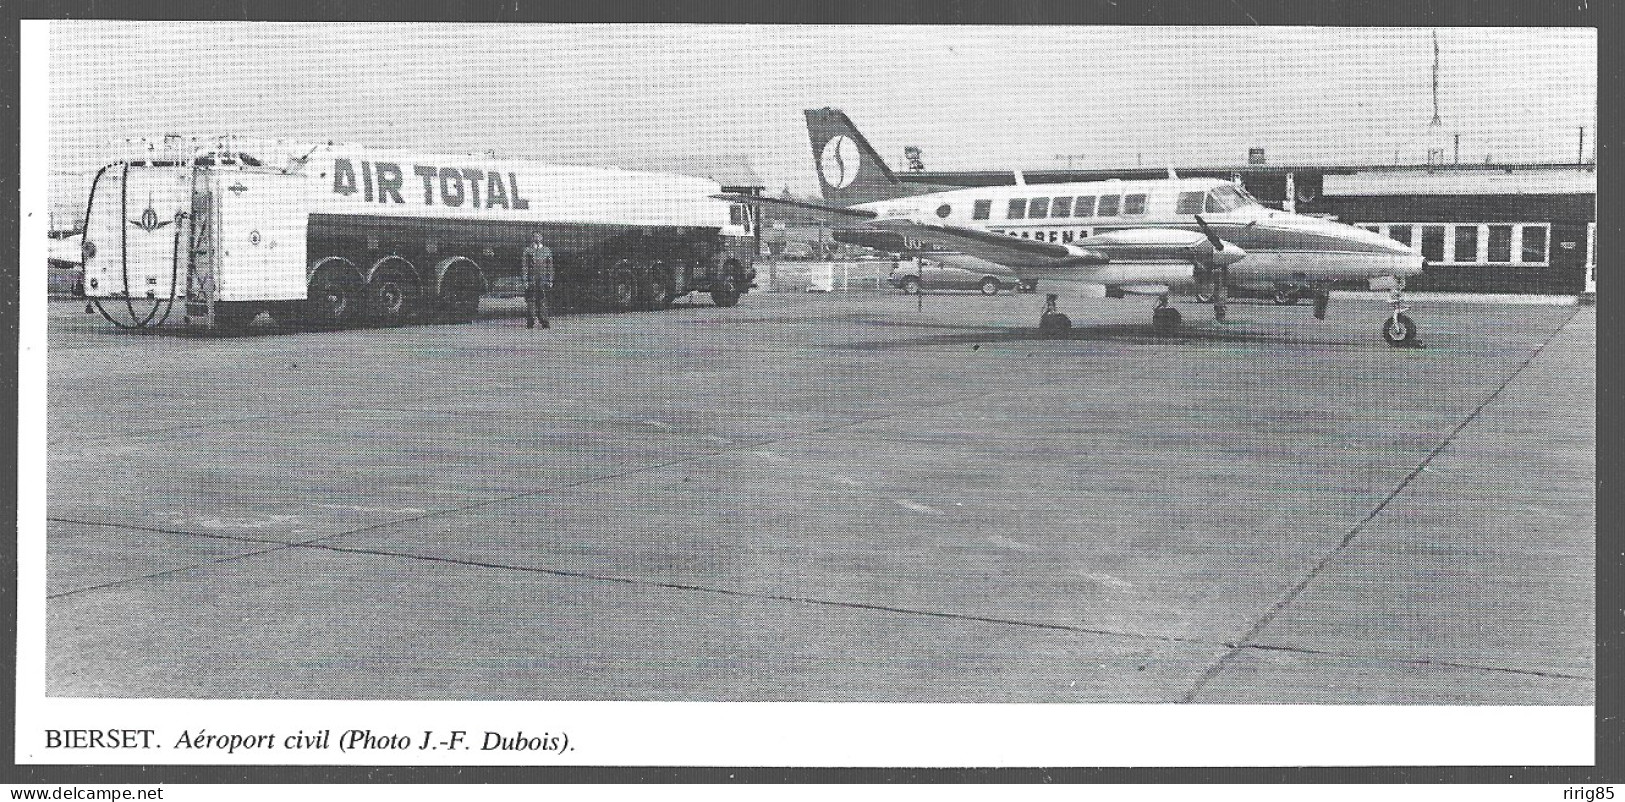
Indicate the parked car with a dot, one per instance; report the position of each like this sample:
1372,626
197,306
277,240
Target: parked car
953,272
1284,293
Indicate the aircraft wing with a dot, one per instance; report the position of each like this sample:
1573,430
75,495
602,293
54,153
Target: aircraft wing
1001,248
837,215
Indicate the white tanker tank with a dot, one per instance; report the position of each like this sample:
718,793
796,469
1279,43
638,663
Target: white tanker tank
335,236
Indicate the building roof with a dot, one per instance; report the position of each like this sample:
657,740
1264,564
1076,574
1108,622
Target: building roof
1542,180
981,178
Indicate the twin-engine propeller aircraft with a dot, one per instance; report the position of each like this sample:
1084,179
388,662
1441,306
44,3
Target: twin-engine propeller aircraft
1143,237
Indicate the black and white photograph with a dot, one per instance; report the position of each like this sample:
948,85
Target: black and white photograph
891,376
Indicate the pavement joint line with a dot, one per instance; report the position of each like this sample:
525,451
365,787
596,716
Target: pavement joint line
733,449
1292,594
808,600
317,542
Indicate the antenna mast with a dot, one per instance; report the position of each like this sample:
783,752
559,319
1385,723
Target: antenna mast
1435,143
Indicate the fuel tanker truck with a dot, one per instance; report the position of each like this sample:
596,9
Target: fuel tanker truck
332,236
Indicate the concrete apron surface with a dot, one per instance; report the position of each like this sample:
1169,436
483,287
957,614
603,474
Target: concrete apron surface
831,498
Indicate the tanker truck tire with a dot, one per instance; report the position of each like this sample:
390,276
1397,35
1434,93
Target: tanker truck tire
623,290
393,295
333,295
658,289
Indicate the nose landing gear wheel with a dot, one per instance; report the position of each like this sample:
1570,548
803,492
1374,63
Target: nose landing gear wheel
1398,330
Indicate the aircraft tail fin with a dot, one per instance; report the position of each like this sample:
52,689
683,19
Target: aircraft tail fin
849,169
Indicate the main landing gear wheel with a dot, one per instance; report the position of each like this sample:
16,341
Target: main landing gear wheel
990,286
1051,321
725,295
1285,296
1398,330
1165,317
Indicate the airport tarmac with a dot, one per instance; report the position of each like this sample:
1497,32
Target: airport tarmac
831,498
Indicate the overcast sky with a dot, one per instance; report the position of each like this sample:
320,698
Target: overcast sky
971,97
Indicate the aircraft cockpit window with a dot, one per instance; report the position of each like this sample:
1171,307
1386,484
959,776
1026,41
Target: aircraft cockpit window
1018,209
1038,208
1062,207
982,210
1108,205
1190,203
1227,198
1134,204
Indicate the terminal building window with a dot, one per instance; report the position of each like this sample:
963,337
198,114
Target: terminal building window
1085,207
1534,244
1473,243
982,210
1108,206
1500,244
1466,244
1062,207
1134,204
1018,209
1433,243
1038,208
1190,203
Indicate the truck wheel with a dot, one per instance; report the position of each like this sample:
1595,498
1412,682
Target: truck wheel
725,295
623,290
461,286
657,289
333,296
392,295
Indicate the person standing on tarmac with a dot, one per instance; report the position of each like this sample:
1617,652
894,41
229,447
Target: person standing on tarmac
537,275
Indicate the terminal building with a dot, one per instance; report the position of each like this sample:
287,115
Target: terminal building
1497,228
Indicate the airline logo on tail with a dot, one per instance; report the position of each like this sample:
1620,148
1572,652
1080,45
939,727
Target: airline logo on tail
838,161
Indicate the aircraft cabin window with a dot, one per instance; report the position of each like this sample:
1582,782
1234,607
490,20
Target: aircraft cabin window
1108,206
1062,207
1466,244
1190,203
1134,204
944,210
1534,243
1499,248
1038,208
1018,209
1226,198
1433,243
982,210
1085,207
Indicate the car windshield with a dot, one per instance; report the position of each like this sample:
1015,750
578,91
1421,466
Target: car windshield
1228,198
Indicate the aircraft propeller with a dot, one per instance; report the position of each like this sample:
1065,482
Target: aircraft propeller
1219,269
